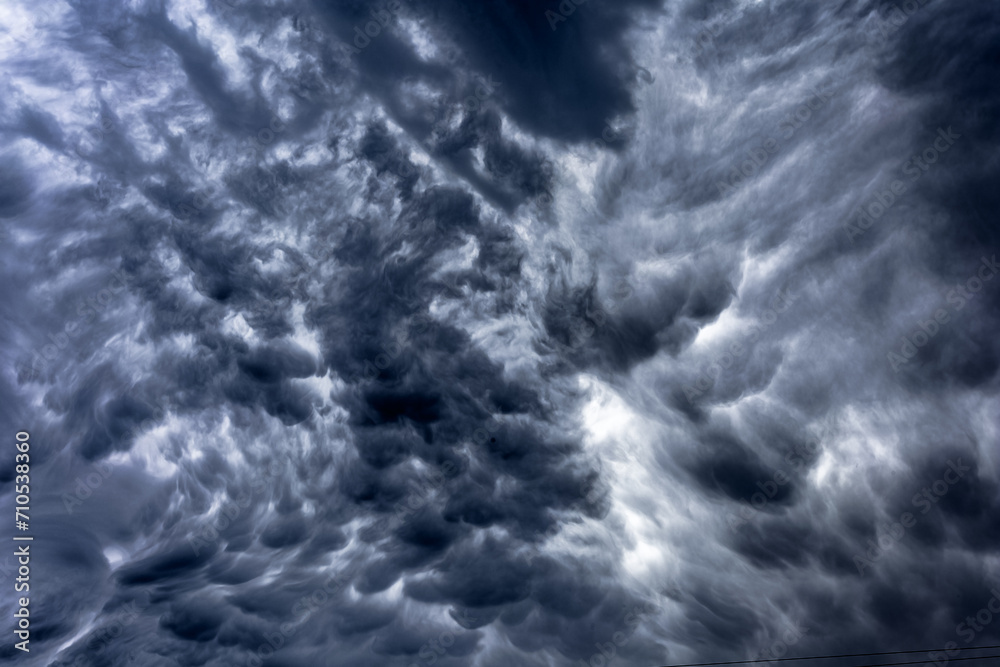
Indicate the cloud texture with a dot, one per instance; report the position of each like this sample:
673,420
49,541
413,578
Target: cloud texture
501,332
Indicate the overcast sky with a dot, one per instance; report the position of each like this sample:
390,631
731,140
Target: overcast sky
500,332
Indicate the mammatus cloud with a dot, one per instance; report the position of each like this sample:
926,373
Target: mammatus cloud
451,333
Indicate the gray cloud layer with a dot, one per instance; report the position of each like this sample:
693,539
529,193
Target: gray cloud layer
448,333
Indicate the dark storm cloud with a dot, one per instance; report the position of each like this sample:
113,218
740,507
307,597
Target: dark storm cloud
800,526
232,111
563,83
340,334
42,127
516,174
17,187
961,95
569,92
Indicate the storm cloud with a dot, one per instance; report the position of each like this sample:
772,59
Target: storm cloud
500,332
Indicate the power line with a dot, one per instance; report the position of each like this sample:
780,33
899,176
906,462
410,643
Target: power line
925,661
852,655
